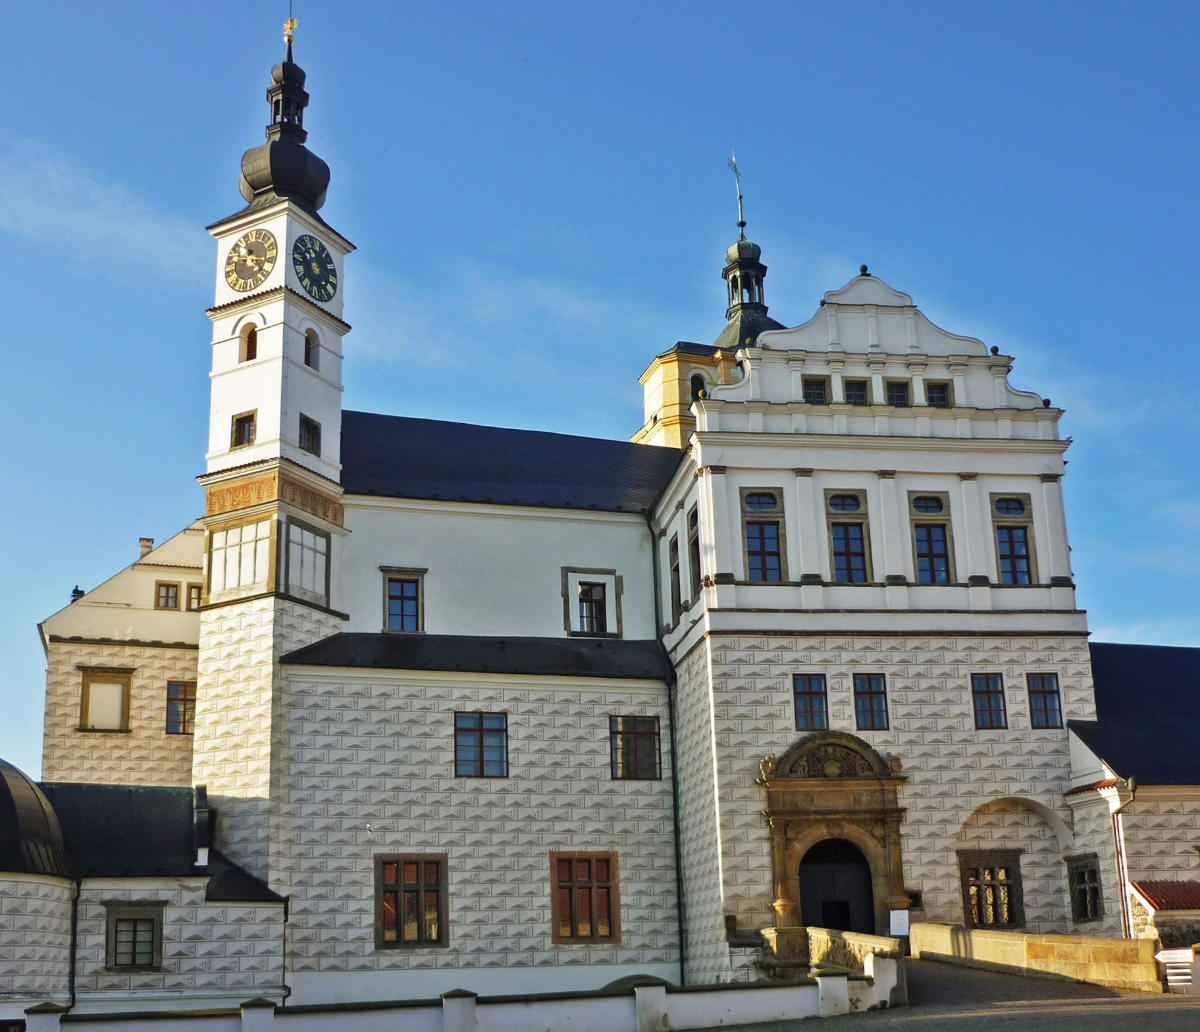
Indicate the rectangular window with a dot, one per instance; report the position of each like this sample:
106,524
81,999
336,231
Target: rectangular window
242,430
991,887
104,700
310,435
403,598
133,936
481,745
410,901
857,392
693,522
593,607
933,553
307,573
870,702
897,393
1045,708
676,587
1014,538
811,708
635,748
816,390
194,594
937,395
1083,881
240,557
987,698
849,550
181,707
584,902
166,595
762,522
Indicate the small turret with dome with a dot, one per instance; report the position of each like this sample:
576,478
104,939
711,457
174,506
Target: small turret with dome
744,273
283,166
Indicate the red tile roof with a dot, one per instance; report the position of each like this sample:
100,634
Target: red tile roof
1171,895
1106,783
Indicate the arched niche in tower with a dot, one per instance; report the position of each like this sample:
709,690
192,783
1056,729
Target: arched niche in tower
247,333
312,349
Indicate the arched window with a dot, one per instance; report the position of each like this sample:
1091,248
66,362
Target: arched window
248,349
698,386
312,350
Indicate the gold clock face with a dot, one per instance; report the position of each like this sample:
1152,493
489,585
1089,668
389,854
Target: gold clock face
251,260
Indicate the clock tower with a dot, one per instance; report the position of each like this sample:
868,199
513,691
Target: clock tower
273,513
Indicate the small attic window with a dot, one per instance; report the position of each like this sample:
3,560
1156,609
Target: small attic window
698,386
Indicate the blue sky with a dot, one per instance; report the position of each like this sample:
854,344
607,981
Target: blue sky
540,201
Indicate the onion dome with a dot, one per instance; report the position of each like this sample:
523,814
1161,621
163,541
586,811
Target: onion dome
31,839
742,250
283,167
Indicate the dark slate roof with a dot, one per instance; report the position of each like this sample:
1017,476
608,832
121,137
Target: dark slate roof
558,657
142,831
31,838
1148,709
749,321
403,457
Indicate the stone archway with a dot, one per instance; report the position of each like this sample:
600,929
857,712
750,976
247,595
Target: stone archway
832,785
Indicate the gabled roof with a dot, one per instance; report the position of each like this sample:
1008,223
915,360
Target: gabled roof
403,457
1148,709
555,657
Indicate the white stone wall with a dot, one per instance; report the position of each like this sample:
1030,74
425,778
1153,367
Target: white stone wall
371,770
35,935
239,724
208,949
143,755
1162,835
708,955
952,769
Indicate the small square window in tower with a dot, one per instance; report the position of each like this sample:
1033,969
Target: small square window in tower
242,430
310,435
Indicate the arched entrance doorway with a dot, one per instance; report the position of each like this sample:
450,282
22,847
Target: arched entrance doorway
835,887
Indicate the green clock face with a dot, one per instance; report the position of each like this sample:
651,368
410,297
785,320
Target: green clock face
314,267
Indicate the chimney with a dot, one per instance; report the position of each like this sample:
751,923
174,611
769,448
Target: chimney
145,544
77,594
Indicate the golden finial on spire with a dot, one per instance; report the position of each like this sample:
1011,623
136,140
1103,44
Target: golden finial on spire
289,31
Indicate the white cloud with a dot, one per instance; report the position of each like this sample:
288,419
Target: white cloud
119,235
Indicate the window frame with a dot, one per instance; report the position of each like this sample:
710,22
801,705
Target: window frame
298,591
903,386
198,589
870,693
817,384
614,897
94,674
756,517
1083,874
593,611
990,859
674,575
945,385
860,516
854,383
695,578
263,584
917,519
615,733
159,587
986,688
1056,694
479,733
570,578
818,721
1023,521
122,910
188,719
442,939
249,418
314,431
403,573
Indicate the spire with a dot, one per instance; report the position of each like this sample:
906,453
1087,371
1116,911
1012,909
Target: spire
283,167
744,274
